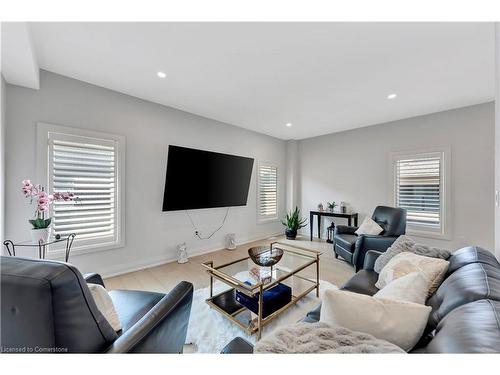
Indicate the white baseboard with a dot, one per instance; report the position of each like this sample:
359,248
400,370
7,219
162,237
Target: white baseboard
159,260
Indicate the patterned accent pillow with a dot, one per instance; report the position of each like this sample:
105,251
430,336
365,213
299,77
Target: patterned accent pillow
404,243
402,264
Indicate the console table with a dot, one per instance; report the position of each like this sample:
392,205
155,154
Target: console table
347,215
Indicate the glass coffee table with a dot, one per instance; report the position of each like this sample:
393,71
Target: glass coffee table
297,269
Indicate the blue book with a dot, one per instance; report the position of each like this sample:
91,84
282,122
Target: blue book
273,300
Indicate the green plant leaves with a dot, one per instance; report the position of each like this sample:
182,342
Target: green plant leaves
40,223
293,221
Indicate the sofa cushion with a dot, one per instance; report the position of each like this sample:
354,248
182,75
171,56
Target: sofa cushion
132,305
469,283
346,241
362,282
471,254
471,328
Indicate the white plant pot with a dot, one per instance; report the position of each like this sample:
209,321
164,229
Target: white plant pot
40,235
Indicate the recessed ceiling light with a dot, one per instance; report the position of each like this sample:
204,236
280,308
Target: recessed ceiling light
391,96
161,74
288,124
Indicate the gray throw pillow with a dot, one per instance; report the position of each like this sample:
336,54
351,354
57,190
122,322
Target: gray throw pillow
404,243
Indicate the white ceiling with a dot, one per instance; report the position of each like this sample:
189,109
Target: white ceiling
322,77
18,63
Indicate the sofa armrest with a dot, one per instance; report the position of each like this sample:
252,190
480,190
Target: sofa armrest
238,345
93,278
370,258
367,242
162,329
344,229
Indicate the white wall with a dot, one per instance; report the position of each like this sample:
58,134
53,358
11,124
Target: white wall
2,159
353,166
292,174
497,140
151,235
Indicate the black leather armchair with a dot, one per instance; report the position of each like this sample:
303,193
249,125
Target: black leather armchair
47,307
353,248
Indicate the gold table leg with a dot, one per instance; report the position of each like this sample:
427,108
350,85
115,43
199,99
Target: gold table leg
259,318
211,281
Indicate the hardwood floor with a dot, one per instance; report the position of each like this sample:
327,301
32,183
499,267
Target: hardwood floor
163,278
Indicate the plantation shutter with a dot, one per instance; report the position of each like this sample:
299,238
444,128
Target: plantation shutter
418,190
268,192
86,167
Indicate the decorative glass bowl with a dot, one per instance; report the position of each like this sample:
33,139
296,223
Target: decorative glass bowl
265,256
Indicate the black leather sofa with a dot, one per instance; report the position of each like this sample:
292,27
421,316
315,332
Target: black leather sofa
46,307
352,248
465,315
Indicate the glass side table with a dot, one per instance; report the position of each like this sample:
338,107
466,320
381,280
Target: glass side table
42,246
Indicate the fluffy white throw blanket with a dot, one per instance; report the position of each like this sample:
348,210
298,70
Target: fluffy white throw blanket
322,338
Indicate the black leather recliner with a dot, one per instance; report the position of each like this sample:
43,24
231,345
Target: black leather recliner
353,248
47,307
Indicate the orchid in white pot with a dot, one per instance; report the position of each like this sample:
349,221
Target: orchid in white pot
41,230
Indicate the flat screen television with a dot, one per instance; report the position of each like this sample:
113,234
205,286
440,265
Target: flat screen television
203,179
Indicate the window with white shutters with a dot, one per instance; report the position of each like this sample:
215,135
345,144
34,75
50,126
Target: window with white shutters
267,200
90,168
419,188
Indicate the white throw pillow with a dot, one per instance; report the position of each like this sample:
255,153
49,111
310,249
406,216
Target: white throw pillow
405,263
401,323
105,305
413,287
369,226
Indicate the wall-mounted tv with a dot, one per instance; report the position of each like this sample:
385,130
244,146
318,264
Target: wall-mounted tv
203,179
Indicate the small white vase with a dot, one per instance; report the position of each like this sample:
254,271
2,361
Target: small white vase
40,235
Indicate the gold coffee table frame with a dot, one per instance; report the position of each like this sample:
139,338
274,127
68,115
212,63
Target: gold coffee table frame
259,288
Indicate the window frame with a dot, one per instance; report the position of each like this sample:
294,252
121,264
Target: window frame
43,153
444,154
266,219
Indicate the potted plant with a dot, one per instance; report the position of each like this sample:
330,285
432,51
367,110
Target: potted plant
331,206
293,222
41,225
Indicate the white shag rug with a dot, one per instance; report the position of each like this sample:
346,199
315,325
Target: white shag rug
209,331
